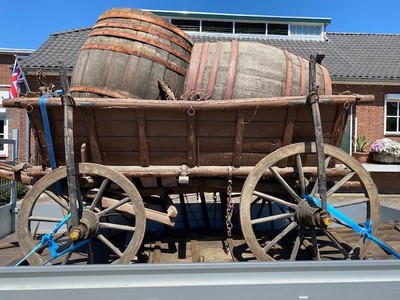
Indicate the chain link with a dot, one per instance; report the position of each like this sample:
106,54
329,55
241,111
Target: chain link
229,208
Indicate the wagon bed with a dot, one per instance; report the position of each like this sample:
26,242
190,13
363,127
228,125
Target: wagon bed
163,135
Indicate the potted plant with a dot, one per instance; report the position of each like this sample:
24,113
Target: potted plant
360,145
386,150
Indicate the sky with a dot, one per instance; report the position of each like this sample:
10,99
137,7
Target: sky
27,24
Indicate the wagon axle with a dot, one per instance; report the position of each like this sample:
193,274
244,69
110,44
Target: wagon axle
308,215
87,228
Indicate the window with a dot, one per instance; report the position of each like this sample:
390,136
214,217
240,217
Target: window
392,114
278,29
304,30
188,25
217,26
250,28
3,124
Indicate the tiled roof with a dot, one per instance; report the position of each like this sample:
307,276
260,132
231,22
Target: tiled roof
61,46
348,56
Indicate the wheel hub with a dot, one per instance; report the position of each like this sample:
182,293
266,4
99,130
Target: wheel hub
308,215
88,226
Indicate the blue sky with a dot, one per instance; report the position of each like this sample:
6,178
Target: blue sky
27,23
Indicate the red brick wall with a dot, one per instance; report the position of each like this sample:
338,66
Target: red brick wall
6,64
370,118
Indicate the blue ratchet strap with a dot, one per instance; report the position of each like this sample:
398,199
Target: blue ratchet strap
73,247
47,239
366,231
49,141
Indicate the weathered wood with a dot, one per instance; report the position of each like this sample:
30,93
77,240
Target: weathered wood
125,54
340,123
191,144
151,214
230,70
105,103
143,147
239,133
93,137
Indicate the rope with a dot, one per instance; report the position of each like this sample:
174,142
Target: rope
366,231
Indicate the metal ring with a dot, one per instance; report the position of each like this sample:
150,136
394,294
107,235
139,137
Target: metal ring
346,105
191,111
29,108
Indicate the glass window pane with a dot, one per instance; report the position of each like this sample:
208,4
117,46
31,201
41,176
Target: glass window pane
189,25
391,108
391,124
217,26
250,28
278,29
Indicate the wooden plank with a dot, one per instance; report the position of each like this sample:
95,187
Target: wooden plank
289,129
238,145
191,144
143,147
93,138
289,126
340,124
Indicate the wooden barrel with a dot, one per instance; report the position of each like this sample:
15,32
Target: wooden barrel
127,52
240,70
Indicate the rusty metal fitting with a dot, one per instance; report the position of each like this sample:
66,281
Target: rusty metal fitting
75,234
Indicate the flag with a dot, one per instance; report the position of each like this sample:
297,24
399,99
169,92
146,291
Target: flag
17,80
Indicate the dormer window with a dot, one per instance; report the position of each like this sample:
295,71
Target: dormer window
217,26
188,25
278,29
305,30
250,28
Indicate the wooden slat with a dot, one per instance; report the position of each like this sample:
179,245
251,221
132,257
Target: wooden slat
238,145
93,138
143,147
289,126
192,146
340,123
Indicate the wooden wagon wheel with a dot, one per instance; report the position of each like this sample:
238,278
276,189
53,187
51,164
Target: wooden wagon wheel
113,214
282,225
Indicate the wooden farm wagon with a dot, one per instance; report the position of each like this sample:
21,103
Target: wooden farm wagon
110,164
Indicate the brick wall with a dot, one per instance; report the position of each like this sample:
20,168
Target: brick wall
6,64
370,118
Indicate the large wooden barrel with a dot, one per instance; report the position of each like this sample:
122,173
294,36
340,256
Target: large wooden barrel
240,70
127,52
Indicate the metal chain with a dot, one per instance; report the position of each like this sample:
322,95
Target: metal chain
229,208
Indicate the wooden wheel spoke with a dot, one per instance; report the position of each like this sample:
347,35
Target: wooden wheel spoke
297,243
45,219
66,258
351,202
280,236
110,245
117,226
60,201
335,242
90,253
301,174
285,184
340,183
99,194
314,241
113,207
261,208
274,199
272,218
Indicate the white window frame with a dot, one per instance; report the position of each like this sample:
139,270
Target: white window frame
391,98
3,116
